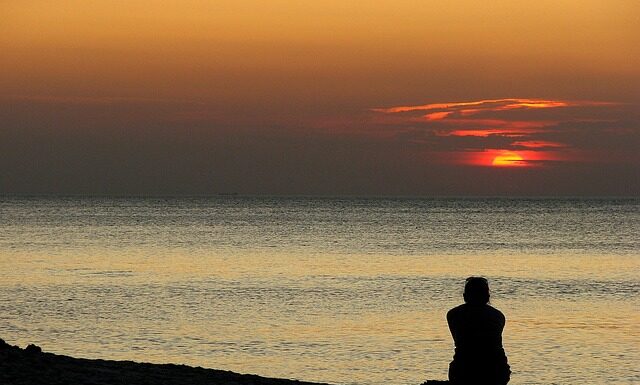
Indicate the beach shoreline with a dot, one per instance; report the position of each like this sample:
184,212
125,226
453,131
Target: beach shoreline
33,366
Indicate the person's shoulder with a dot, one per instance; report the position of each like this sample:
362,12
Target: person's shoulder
495,312
455,311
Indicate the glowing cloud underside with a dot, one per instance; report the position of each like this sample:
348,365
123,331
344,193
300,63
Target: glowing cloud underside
505,132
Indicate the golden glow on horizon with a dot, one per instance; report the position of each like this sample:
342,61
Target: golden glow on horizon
508,159
502,158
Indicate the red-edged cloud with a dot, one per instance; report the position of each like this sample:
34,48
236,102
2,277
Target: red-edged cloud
538,144
505,132
492,104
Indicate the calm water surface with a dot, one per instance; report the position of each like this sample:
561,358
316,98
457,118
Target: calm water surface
337,290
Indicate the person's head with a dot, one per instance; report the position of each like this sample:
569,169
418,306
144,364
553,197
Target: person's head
476,291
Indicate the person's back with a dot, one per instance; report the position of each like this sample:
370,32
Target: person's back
476,329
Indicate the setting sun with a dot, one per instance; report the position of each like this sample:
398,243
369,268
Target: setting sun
508,159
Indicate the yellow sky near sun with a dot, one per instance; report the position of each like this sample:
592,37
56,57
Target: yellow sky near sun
106,44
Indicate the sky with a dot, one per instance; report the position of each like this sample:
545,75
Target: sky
402,97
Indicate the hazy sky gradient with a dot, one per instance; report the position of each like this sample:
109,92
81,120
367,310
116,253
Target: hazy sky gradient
292,97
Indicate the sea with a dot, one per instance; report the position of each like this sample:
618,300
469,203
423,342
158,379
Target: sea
341,290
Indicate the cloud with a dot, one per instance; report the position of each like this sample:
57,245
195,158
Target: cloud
540,131
88,146
492,105
538,144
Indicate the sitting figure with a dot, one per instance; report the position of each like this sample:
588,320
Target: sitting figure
476,328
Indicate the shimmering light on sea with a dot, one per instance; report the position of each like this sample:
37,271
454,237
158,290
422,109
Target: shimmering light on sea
335,290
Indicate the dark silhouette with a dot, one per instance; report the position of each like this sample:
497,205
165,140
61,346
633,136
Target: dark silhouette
476,328
32,366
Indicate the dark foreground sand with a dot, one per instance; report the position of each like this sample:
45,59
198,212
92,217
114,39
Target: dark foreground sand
32,366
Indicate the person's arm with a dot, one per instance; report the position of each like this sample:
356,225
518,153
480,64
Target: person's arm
501,320
453,327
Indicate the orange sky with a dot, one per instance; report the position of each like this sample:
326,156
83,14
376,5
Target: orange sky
307,72
234,49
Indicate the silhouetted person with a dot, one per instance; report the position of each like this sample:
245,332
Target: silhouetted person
476,328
